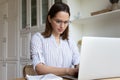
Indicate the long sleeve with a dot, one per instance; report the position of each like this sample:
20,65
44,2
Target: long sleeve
76,54
48,52
36,49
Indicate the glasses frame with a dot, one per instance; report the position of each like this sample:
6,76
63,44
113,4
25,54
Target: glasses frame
60,22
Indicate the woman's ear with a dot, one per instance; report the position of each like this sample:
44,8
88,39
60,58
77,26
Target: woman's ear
49,19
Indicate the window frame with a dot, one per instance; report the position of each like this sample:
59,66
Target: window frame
39,20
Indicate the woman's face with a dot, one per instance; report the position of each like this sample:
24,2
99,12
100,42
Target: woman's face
60,22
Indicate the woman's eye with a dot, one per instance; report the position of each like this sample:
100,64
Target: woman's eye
66,22
58,21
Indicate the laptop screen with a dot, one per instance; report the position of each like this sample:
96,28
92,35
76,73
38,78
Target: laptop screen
100,58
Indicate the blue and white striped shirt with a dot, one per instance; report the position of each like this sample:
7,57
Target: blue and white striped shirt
48,52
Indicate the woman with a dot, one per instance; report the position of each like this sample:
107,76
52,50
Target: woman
53,51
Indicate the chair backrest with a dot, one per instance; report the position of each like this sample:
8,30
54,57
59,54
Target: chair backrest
28,69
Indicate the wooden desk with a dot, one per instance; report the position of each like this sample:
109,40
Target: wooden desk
114,78
25,79
68,79
20,79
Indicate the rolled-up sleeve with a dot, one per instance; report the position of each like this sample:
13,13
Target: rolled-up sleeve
76,54
36,49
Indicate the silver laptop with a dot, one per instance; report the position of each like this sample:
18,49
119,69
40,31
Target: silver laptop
100,58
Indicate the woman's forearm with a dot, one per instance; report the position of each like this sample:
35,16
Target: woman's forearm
43,69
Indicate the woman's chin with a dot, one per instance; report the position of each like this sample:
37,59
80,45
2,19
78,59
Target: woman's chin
60,32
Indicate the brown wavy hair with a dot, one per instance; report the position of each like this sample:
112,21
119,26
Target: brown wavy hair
57,7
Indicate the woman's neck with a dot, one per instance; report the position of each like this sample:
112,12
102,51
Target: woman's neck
57,38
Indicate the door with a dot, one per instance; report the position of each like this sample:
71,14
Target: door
3,44
2,6
8,52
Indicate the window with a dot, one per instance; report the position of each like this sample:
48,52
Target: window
24,13
44,10
30,13
58,1
33,13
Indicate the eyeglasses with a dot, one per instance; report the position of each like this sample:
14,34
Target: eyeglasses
59,22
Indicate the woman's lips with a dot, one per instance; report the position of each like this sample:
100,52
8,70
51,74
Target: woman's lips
60,30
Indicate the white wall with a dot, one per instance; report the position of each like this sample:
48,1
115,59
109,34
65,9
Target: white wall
93,5
75,31
106,27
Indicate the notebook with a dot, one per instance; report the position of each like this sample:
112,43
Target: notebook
100,58
43,77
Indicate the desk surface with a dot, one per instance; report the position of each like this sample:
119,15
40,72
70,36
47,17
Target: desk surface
25,79
68,79
114,78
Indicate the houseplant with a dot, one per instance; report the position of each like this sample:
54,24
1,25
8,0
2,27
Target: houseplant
114,4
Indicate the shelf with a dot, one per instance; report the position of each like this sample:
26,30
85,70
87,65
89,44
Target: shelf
100,17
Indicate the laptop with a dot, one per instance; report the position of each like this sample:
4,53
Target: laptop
100,58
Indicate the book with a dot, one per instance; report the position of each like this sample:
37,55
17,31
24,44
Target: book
43,77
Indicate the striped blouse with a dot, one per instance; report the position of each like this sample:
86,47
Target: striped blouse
48,52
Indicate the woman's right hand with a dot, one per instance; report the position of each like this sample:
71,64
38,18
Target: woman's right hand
72,71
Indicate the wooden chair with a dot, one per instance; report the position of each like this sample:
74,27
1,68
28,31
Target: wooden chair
28,69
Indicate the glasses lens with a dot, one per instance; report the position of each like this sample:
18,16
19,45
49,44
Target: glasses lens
59,22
